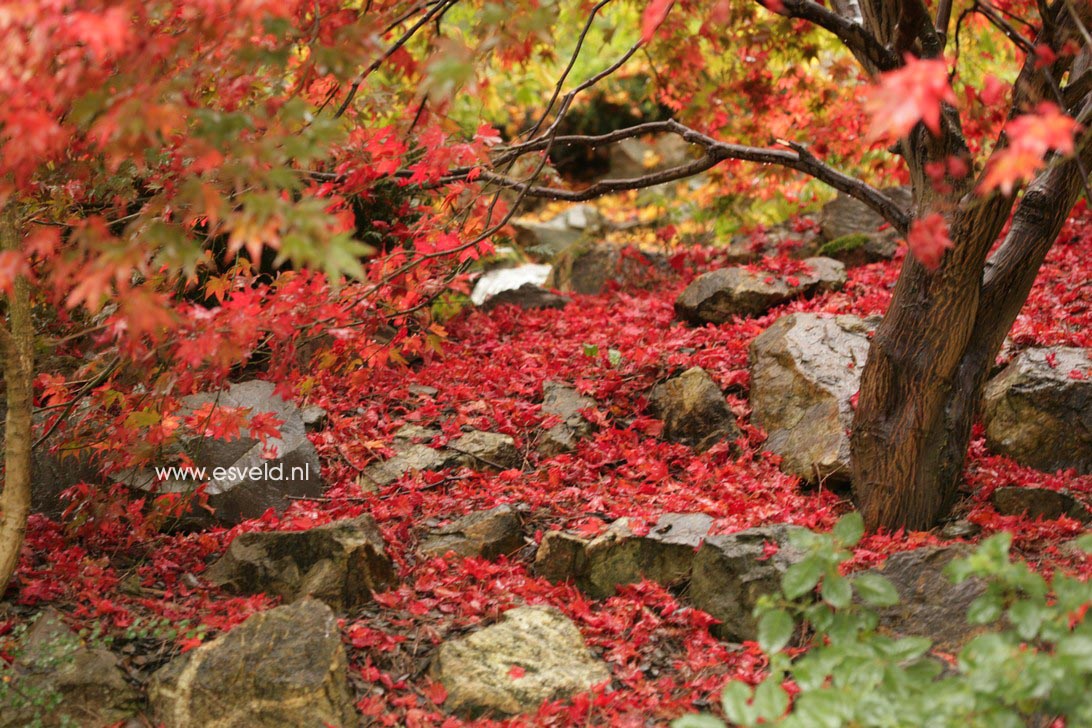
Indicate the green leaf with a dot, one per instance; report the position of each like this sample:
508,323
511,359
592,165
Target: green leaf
771,700
849,529
775,630
836,591
1027,616
984,610
801,577
1084,543
735,701
875,589
591,350
614,357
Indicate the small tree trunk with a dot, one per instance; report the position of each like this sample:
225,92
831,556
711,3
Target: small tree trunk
17,349
934,349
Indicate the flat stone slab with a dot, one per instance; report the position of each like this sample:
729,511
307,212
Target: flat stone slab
532,655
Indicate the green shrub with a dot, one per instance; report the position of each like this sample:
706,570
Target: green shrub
1039,667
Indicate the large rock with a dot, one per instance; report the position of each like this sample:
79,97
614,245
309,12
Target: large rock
930,605
589,268
527,296
475,449
488,534
693,410
861,248
805,369
341,563
717,296
242,482
483,450
55,471
732,572
546,239
1038,411
1011,500
846,216
58,681
284,667
533,655
664,555
512,278
564,402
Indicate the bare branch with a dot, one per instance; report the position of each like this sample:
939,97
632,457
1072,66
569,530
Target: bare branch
944,17
871,53
796,157
435,13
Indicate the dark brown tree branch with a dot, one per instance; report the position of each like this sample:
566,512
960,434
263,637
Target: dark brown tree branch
869,51
796,157
435,13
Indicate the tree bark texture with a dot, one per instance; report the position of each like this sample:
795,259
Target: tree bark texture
17,350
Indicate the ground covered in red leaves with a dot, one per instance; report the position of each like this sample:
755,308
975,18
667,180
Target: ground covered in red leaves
662,659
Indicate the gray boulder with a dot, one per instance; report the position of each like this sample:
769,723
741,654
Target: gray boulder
545,239
561,556
618,556
861,248
284,667
564,402
483,450
715,297
1013,500
805,370
664,555
509,278
242,482
1040,415
58,681
475,449
53,472
930,605
589,268
732,572
693,410
341,563
488,534
527,296
532,655
846,216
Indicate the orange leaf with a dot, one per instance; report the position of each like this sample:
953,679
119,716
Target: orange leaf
908,95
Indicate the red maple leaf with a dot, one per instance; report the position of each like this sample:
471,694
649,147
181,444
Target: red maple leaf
1030,137
908,95
928,239
653,17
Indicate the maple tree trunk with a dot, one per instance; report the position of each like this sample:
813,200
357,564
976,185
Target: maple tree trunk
17,349
932,353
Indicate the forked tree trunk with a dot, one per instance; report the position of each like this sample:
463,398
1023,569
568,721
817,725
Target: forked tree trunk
17,349
933,351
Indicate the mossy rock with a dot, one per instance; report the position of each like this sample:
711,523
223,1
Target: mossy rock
844,244
861,248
